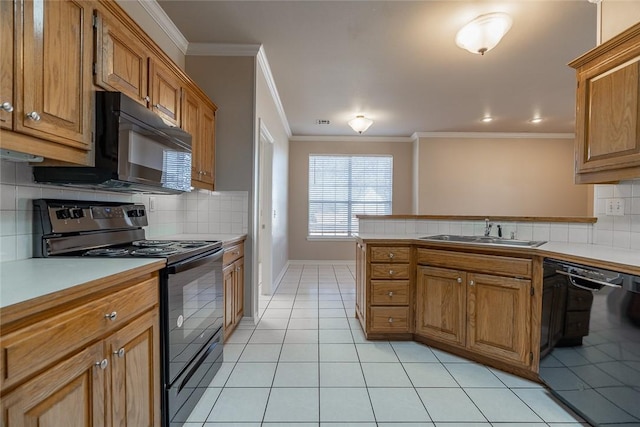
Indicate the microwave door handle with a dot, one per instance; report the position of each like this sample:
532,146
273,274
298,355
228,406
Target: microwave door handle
191,264
599,282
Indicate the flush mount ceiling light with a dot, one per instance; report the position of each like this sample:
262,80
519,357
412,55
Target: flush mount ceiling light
535,120
484,33
360,123
486,119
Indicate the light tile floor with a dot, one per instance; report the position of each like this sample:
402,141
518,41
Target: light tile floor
307,363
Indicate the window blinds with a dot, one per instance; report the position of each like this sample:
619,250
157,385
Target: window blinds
341,187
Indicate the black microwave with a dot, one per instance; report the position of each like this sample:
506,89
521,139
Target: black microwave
135,152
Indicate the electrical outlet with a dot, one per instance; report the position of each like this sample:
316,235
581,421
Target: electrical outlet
618,207
608,207
152,204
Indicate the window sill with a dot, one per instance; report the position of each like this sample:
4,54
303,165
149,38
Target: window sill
330,238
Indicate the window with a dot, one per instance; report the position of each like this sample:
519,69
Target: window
341,187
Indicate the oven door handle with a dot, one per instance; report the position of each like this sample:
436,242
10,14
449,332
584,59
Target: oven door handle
190,264
598,282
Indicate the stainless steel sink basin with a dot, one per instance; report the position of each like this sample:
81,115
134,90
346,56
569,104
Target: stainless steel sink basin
483,240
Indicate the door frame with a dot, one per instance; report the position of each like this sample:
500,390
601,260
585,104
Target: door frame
265,208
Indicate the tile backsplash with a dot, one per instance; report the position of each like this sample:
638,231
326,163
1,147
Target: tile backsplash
197,212
616,231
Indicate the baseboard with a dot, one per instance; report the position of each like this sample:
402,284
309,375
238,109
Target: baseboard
320,262
276,283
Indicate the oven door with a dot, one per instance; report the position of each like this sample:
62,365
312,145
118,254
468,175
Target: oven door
192,310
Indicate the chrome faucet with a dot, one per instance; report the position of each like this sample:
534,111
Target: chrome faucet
487,227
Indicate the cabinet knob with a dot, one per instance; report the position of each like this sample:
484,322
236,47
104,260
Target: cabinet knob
471,282
146,99
459,280
6,106
34,116
111,316
391,272
120,352
390,254
102,364
390,319
391,293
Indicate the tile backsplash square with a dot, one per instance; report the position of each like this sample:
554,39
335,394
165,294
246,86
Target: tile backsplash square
199,211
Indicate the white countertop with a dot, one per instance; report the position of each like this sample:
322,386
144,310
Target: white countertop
25,279
628,257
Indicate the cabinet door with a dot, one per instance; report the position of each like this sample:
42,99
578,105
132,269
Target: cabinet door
238,295
54,94
121,60
70,394
610,136
135,373
165,88
441,304
206,151
6,64
229,276
191,123
499,317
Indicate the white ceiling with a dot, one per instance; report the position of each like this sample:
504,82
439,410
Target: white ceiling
397,61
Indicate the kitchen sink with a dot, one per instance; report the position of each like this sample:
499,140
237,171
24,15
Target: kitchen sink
484,240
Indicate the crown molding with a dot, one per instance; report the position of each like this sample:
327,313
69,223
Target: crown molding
493,135
222,49
350,138
162,19
263,63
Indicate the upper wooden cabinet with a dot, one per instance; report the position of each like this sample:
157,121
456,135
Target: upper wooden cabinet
51,85
6,64
122,61
608,110
166,91
198,118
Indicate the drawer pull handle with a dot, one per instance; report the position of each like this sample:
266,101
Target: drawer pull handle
390,254
459,280
6,106
472,283
391,293
34,116
391,272
111,316
390,319
102,364
119,353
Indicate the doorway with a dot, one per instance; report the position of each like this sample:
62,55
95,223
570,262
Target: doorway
265,210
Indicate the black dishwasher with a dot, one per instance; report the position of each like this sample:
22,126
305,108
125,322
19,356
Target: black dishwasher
590,341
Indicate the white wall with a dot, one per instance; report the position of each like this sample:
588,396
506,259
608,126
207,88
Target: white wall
267,111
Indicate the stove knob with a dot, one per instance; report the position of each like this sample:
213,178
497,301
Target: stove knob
132,213
63,214
77,213
140,212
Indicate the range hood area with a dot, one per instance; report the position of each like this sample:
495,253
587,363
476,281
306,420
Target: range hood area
135,152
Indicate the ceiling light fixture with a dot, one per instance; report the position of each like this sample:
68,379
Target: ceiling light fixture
484,33
360,123
536,120
486,119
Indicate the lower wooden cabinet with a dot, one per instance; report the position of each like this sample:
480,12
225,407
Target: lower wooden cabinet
489,315
112,381
233,276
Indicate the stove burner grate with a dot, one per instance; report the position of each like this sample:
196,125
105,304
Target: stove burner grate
152,243
154,251
107,252
192,243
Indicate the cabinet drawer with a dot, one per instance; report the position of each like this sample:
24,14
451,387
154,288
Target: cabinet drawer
491,264
232,253
389,271
390,319
390,293
390,254
36,346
